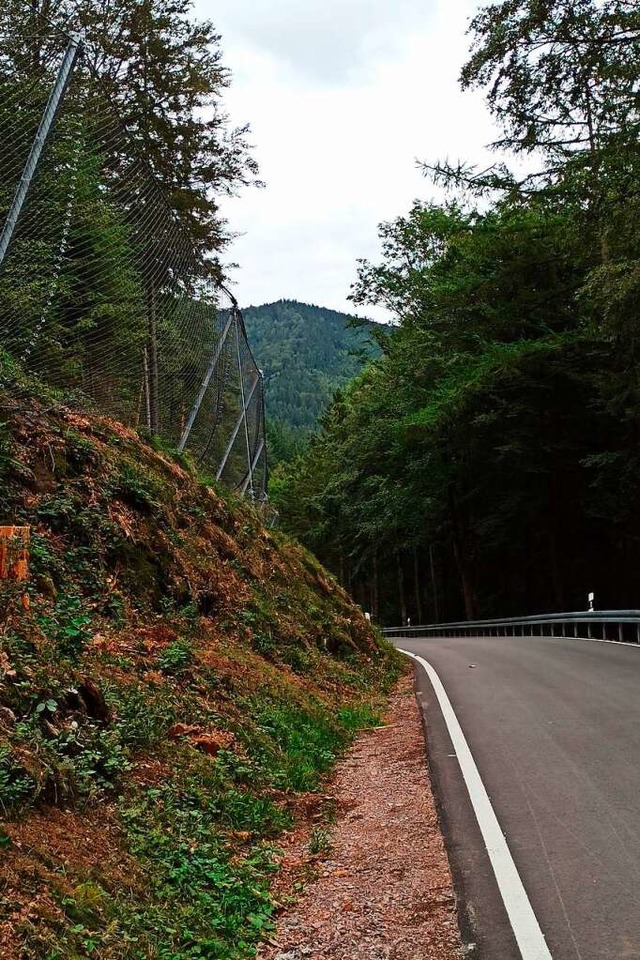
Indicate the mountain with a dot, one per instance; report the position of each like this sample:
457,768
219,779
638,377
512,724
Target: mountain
306,353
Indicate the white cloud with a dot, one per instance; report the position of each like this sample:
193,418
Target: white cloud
342,97
329,40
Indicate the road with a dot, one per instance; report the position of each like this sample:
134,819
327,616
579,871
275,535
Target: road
554,728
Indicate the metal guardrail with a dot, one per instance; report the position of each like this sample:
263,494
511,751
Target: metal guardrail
622,626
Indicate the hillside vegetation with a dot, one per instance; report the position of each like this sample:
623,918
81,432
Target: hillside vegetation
306,353
175,683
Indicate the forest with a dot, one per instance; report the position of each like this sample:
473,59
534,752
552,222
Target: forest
488,463
112,287
306,353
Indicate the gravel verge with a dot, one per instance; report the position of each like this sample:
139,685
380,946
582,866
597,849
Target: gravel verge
382,888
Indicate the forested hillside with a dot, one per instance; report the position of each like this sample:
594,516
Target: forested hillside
306,353
489,462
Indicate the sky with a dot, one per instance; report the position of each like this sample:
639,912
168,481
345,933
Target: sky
343,97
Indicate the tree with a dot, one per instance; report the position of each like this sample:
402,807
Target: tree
561,79
121,231
163,72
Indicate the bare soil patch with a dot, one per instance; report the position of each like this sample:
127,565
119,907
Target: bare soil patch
383,889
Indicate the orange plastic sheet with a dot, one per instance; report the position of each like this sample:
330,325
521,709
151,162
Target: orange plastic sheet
14,553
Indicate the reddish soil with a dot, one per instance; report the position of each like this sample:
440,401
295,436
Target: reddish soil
55,849
383,889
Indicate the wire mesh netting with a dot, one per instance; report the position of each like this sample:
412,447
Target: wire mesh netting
103,291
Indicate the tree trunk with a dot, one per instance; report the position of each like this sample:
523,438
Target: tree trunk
461,556
605,252
152,354
416,581
401,594
375,587
434,585
145,393
556,574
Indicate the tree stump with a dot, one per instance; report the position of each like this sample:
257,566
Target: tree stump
14,553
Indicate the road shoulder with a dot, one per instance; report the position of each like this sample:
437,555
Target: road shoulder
383,887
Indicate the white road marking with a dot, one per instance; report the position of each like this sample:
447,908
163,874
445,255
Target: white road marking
523,920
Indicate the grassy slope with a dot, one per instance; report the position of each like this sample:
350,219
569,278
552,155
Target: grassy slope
175,680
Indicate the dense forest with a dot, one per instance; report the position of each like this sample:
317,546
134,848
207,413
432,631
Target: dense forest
488,463
306,353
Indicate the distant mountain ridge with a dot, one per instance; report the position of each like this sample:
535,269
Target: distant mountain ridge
306,353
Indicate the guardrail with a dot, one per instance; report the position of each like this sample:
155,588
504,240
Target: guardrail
621,626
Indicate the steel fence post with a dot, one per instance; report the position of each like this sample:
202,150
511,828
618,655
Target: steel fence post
56,96
236,429
205,383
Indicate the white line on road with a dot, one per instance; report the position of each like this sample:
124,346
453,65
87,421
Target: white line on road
523,920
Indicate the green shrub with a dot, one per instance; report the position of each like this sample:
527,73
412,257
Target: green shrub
136,488
68,624
96,758
209,903
320,840
176,657
16,785
142,719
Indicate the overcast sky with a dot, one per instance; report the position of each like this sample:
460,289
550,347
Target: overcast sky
342,97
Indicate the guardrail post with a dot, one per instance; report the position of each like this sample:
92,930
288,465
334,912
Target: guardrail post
589,629
620,633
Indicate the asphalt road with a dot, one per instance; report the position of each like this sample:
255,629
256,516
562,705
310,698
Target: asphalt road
554,728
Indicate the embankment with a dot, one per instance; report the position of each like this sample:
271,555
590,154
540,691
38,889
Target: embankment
174,680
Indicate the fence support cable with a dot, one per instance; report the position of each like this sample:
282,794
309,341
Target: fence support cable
48,118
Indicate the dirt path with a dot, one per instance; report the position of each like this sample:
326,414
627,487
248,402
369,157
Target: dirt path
384,889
